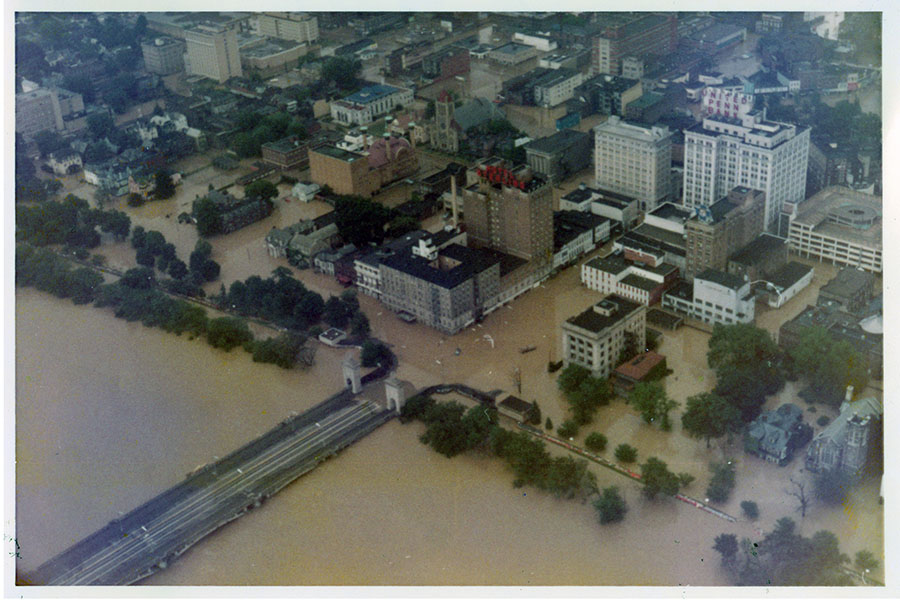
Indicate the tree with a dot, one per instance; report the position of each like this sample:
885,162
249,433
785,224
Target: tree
177,268
138,237
742,344
611,506
657,478
374,353
595,442
709,416
336,313
310,308
359,325
48,142
261,188
140,278
533,416
361,221
742,389
800,492
625,453
227,332
342,71
865,561
402,225
209,221
549,424
750,509
164,189
568,429
571,377
144,257
650,399
721,483
154,242
281,350
726,544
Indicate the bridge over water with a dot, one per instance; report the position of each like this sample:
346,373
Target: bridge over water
151,536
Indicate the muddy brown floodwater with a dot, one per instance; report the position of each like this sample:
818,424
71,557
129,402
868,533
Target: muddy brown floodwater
98,432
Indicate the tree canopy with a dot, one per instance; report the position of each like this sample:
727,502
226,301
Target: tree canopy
708,416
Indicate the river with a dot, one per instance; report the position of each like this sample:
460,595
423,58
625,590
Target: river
99,433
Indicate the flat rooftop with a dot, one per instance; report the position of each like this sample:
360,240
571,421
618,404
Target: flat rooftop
816,211
789,274
759,247
663,235
371,94
596,322
339,153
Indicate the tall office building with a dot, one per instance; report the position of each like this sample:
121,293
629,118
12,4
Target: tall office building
722,153
297,27
213,52
510,210
633,159
163,55
636,35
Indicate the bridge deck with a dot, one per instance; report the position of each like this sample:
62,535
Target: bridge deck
149,537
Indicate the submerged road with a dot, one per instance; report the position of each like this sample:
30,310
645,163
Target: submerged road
151,536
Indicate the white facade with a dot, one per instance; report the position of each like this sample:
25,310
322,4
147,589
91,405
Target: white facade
557,92
540,42
582,244
716,300
289,26
758,154
634,160
304,192
213,53
599,350
777,298
830,25
363,106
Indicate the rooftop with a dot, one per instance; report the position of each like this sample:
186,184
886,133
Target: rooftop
722,278
558,142
682,290
512,48
515,404
338,153
269,47
371,94
665,236
285,144
635,280
759,247
593,320
826,213
640,366
471,261
789,274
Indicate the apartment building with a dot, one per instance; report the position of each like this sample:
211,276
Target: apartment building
213,52
596,337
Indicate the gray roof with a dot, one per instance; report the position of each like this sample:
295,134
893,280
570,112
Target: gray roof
471,262
558,142
848,282
475,112
861,408
596,322
789,274
515,404
722,278
759,247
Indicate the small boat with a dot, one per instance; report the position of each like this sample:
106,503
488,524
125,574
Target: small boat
526,349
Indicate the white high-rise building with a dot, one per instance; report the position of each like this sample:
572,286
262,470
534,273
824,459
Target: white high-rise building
722,153
213,52
297,27
633,159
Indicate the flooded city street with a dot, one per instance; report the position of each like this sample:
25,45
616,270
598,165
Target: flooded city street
387,510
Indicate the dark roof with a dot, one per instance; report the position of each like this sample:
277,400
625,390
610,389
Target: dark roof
670,210
722,278
759,247
634,280
515,404
847,283
471,262
682,290
614,263
592,320
558,142
587,220
670,238
789,274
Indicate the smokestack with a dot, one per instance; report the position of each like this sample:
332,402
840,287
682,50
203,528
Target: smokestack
412,134
453,201
365,134
387,146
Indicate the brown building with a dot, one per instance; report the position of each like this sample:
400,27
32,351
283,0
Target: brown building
287,153
510,210
363,174
722,228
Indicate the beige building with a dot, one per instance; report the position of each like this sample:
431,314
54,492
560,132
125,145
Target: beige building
163,55
596,337
36,111
719,230
213,52
271,57
363,173
297,27
633,159
510,210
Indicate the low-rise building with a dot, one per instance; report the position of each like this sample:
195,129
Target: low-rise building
850,290
784,284
714,297
638,282
287,153
575,234
620,209
305,191
368,103
609,94
596,337
844,444
515,408
647,366
763,256
512,54
65,162
839,226
776,434
357,174
560,155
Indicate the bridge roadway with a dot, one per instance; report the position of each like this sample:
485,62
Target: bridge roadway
151,536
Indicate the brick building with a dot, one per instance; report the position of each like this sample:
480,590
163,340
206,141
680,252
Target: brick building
286,153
